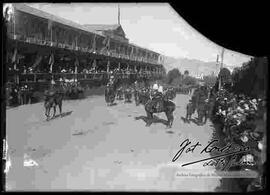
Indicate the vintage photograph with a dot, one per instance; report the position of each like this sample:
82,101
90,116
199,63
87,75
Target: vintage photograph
128,97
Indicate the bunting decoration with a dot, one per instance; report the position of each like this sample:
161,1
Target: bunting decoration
15,56
51,62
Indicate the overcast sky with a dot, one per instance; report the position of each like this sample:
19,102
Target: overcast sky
156,26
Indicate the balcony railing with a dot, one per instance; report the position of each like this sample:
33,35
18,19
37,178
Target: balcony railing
34,40
68,77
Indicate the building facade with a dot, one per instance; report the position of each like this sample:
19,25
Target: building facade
40,45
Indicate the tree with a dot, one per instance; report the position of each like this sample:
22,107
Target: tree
172,74
224,75
209,80
188,80
186,73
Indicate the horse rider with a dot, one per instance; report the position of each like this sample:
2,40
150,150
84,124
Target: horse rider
154,90
157,96
189,110
202,103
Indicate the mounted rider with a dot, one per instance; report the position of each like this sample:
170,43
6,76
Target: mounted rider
157,96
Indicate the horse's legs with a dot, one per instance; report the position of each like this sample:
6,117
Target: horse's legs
54,110
170,118
46,111
150,118
60,108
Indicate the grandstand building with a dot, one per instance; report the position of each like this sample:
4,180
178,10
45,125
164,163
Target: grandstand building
41,45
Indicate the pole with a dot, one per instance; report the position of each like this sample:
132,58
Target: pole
118,14
221,66
108,66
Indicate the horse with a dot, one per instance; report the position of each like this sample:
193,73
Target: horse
128,94
165,105
52,99
171,92
109,94
119,93
142,96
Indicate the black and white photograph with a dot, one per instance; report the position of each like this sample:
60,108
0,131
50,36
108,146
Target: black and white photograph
127,97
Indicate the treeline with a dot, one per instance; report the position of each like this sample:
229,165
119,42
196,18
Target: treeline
252,78
176,78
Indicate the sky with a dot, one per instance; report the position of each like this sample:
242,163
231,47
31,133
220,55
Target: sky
156,26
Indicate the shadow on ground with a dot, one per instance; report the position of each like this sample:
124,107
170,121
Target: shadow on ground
60,115
154,120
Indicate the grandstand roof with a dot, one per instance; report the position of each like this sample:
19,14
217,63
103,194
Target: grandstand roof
33,11
95,28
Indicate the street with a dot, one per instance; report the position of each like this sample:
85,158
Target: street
95,147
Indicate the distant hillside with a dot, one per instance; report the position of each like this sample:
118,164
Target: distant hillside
195,67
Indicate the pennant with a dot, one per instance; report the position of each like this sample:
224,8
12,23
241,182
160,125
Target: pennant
15,55
51,62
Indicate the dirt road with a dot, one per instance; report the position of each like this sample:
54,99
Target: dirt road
95,147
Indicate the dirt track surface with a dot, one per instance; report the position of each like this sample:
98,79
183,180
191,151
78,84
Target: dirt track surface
95,147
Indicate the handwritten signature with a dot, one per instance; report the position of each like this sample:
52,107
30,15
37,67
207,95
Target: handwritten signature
229,150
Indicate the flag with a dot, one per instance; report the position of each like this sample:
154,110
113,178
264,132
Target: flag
51,62
15,56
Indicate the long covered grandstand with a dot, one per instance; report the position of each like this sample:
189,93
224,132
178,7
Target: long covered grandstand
42,47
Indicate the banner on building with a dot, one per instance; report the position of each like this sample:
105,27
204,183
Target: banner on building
51,62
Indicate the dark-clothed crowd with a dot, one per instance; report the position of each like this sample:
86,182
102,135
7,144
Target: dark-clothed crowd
243,122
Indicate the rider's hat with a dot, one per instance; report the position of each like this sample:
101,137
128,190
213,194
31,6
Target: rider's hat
160,89
155,86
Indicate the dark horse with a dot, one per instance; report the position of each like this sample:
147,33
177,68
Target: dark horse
52,99
119,93
165,105
141,96
128,94
110,94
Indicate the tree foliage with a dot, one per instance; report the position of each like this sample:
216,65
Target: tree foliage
209,80
251,78
188,80
225,75
173,74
